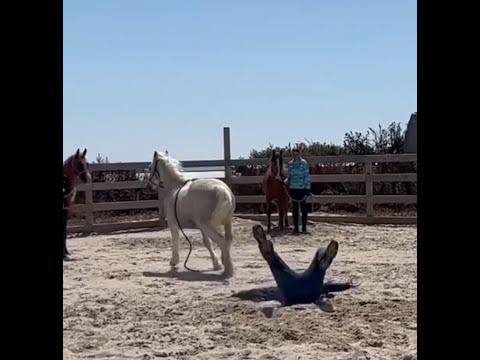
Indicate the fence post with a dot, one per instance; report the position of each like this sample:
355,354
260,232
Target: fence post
369,188
89,206
227,155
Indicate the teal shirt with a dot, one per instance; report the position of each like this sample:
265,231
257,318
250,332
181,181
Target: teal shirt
298,174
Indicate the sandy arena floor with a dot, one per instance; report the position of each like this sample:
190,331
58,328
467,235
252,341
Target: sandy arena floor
121,301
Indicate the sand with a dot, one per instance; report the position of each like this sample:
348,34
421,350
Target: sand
121,301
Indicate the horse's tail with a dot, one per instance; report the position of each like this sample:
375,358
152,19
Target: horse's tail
228,222
228,231
225,207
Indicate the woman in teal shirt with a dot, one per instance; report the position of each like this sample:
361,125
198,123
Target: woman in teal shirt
298,183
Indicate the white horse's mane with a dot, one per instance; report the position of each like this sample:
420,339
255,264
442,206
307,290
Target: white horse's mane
171,165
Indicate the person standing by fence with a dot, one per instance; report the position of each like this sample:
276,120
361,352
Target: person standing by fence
298,183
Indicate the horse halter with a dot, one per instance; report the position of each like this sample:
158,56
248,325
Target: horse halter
155,174
77,174
75,171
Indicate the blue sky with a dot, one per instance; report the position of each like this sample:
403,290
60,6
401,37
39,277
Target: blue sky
141,75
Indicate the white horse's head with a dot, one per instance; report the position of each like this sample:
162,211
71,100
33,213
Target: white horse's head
164,168
155,170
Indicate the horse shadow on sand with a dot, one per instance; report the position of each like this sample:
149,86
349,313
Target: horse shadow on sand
173,273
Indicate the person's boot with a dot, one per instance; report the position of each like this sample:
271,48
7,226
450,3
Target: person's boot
265,246
295,231
304,225
304,228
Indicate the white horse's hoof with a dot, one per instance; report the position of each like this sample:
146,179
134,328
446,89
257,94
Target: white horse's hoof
217,266
228,272
174,261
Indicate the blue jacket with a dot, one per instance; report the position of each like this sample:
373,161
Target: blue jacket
298,174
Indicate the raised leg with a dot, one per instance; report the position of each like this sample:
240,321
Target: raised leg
175,239
265,246
281,272
208,245
325,259
322,259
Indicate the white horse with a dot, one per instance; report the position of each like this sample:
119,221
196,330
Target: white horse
204,204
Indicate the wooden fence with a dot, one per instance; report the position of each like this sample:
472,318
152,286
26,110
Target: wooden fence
89,208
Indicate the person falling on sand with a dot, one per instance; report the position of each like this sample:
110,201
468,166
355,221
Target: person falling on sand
298,183
301,287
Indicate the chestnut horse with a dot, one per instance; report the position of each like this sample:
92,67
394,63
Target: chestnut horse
76,166
275,191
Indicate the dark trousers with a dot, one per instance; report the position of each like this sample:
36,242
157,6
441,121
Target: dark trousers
299,200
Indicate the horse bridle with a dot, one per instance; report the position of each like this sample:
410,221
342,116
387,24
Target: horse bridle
75,171
77,174
155,174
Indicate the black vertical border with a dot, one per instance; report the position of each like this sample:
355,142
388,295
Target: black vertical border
32,150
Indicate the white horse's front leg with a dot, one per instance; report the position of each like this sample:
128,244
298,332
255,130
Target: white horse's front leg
208,245
175,239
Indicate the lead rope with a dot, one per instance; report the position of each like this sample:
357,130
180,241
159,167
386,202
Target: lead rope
305,197
180,227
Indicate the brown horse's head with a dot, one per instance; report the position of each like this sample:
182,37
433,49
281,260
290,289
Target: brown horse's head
77,166
277,168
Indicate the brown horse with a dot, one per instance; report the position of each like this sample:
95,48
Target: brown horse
76,166
275,191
